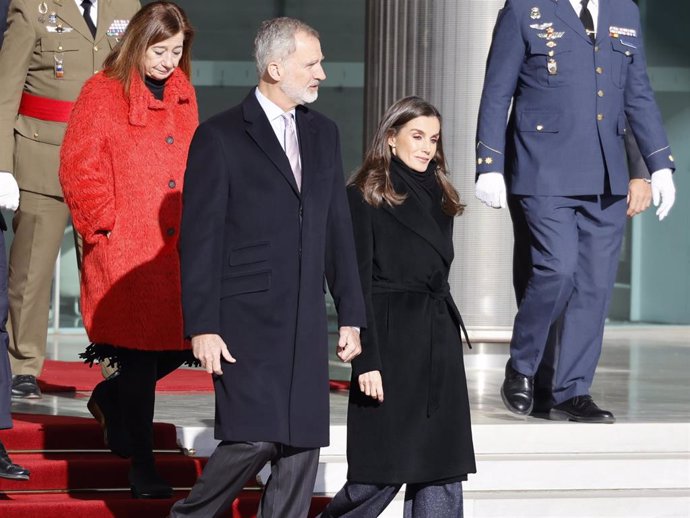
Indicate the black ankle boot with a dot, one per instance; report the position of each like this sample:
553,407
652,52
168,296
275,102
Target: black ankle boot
145,482
104,405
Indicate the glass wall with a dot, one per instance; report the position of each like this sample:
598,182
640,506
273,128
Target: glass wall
654,278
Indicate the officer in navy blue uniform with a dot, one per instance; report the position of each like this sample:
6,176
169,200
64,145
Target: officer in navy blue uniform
574,70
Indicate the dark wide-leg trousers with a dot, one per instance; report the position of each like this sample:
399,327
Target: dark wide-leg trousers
421,501
287,493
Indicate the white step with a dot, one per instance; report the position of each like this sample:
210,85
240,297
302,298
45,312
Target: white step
539,457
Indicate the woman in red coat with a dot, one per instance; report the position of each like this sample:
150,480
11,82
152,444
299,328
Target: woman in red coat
122,166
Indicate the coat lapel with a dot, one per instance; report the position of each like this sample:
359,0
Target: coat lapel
261,132
603,22
68,12
105,17
565,11
413,216
306,132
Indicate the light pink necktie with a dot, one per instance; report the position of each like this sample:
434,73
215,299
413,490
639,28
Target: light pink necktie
292,147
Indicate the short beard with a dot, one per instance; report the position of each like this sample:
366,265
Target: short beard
299,95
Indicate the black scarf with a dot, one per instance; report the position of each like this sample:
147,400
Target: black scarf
424,187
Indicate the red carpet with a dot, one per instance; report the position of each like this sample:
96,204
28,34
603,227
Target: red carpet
51,432
86,484
58,376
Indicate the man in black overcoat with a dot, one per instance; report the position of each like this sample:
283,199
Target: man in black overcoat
265,228
9,198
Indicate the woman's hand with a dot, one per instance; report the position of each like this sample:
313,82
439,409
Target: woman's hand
371,384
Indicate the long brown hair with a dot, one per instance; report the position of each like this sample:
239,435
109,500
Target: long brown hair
153,23
374,178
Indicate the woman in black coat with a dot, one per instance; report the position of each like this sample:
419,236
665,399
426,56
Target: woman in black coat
402,206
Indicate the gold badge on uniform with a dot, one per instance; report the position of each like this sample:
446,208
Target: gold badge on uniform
551,44
552,67
535,13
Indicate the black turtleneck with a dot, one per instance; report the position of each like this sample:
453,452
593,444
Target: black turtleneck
423,186
155,86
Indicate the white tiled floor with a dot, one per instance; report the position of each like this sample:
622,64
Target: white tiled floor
643,376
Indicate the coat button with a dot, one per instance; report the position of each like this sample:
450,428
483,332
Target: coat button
670,157
95,48
170,231
600,116
169,139
36,134
172,184
479,161
599,70
627,52
600,93
59,47
539,127
596,48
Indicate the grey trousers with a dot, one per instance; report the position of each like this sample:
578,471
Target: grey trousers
421,501
287,493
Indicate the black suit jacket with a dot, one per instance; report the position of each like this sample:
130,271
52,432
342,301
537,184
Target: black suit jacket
255,256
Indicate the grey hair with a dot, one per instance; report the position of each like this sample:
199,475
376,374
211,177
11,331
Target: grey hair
275,40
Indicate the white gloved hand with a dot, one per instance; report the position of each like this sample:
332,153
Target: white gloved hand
490,189
663,191
9,191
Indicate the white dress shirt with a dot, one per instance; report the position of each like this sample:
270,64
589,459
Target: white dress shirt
593,7
93,12
275,113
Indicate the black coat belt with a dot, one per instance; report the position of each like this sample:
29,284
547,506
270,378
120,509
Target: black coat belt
439,291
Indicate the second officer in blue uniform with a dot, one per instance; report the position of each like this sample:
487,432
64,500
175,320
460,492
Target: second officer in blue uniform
573,71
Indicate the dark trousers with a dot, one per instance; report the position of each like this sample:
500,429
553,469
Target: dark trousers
421,501
522,271
287,493
5,372
574,247
132,394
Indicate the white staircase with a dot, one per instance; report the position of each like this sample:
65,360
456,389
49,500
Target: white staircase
543,469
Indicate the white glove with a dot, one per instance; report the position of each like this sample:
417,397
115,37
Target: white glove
490,189
663,190
9,191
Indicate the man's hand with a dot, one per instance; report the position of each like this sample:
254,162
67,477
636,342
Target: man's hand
371,384
9,191
490,189
639,196
349,346
208,349
663,190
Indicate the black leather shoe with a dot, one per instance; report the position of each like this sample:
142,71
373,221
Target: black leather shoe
10,470
103,405
25,386
581,409
517,391
145,482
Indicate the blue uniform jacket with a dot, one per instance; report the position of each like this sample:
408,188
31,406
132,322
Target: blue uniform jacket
570,100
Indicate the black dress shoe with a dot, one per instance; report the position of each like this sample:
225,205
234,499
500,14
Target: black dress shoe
104,406
517,391
25,386
145,482
10,470
581,409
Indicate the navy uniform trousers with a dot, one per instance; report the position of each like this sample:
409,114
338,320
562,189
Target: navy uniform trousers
5,373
